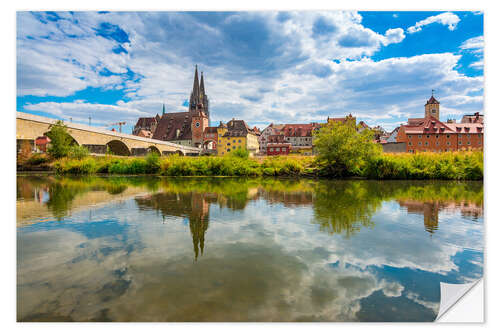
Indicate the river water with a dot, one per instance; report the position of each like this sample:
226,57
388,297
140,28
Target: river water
235,249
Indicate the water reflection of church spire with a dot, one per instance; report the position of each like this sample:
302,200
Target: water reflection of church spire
194,206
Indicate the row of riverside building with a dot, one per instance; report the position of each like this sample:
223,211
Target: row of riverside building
192,128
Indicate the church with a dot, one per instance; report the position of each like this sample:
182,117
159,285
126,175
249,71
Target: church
184,128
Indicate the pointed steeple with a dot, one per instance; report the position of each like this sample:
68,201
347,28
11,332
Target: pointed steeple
202,87
163,110
196,85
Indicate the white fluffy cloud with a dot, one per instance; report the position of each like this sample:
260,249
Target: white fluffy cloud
260,66
448,19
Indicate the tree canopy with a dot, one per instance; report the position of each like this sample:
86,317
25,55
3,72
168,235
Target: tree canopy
343,150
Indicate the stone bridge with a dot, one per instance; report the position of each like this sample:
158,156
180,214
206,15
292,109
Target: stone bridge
29,127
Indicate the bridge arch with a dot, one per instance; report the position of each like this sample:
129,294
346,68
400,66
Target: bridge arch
179,152
154,149
117,147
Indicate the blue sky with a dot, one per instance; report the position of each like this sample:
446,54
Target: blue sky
281,67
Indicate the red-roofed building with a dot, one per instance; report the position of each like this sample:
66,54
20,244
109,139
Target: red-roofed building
42,143
431,134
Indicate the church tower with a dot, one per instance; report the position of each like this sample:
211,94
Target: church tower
198,108
432,107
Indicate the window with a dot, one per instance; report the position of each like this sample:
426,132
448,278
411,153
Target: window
197,124
234,147
420,136
449,144
437,143
459,142
426,143
468,143
447,136
228,144
409,143
468,136
479,135
420,143
239,140
234,141
228,149
409,136
437,136
460,135
428,136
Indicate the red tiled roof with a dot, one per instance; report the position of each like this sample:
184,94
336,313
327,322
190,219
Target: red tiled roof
170,123
431,125
145,121
298,130
237,128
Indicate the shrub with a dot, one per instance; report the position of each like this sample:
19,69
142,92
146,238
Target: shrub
60,140
78,152
152,163
241,153
37,159
343,150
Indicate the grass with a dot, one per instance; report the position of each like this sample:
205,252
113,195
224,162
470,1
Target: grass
450,166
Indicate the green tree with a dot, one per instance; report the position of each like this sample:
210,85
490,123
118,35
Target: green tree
343,150
60,141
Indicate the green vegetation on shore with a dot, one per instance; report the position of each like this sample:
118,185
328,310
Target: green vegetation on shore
450,165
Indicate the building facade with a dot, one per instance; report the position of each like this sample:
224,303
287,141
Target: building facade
236,135
429,134
272,129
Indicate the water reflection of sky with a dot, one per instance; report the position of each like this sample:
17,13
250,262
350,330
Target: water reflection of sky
190,257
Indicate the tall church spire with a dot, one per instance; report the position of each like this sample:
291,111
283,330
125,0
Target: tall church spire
196,85
202,87
163,110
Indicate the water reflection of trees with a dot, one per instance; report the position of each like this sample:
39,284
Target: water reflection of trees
340,207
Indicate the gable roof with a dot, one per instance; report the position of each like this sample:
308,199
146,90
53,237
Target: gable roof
299,130
237,128
171,122
429,125
145,121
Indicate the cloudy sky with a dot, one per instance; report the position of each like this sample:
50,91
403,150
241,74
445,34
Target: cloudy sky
282,67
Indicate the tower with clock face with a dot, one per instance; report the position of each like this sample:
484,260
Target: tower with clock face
198,108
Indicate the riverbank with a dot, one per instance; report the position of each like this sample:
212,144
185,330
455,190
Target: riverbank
448,166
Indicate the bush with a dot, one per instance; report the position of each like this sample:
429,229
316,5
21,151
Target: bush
241,153
78,152
343,150
153,163
450,165
60,140
37,159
